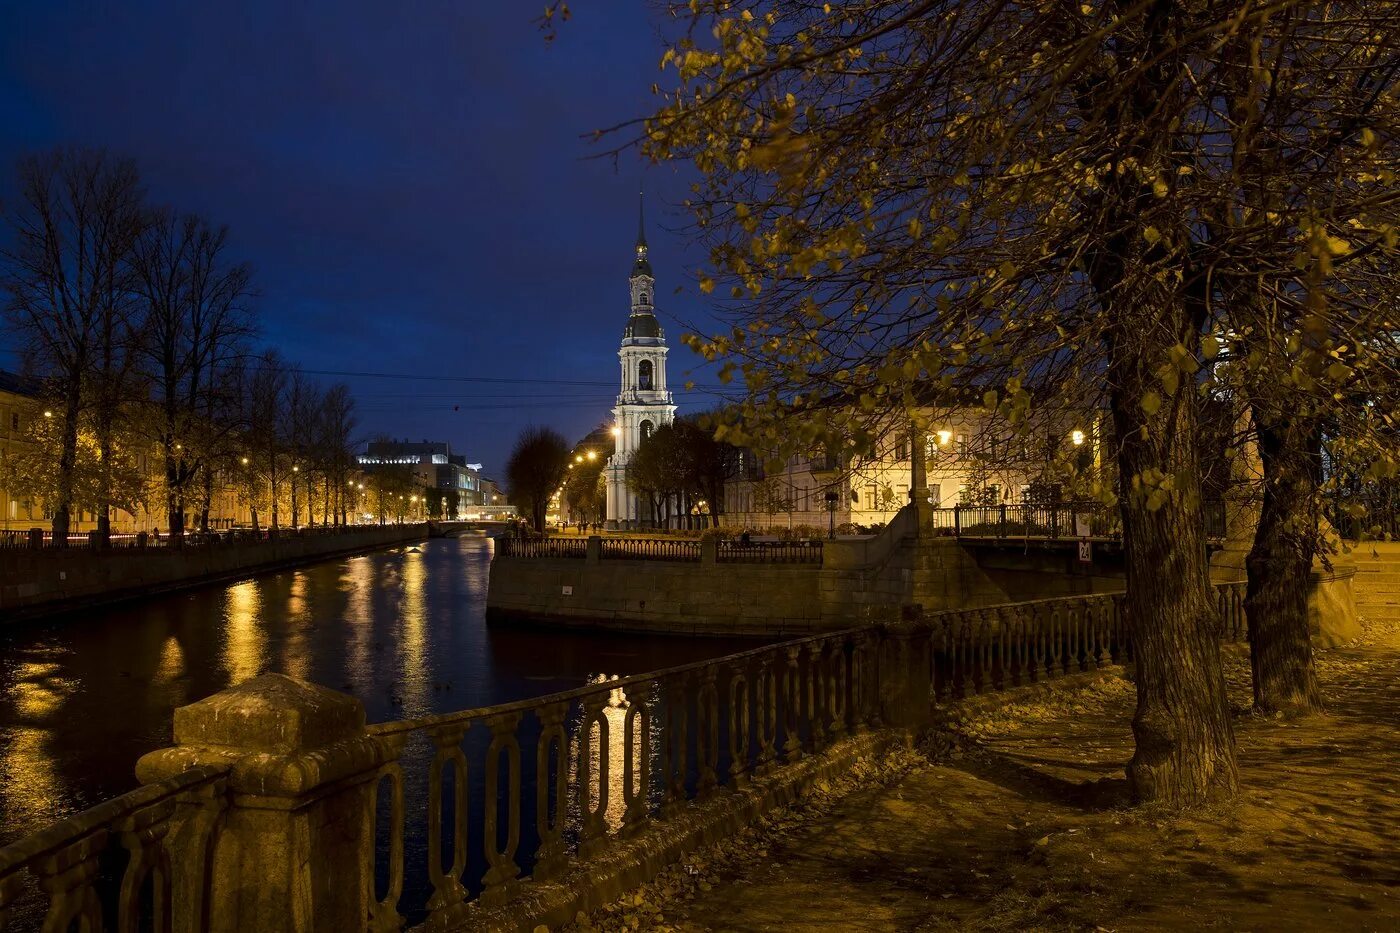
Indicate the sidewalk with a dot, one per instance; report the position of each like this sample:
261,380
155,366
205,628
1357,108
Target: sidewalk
1023,827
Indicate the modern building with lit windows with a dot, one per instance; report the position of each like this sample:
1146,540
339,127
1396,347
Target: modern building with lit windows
432,463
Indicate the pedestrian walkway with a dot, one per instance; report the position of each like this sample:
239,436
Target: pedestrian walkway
1021,823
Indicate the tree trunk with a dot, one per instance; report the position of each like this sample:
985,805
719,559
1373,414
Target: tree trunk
67,459
1280,568
1185,751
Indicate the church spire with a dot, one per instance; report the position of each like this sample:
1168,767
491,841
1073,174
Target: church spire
641,266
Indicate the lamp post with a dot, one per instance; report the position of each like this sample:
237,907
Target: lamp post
832,497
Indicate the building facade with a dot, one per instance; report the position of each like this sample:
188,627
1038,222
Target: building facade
644,403
969,459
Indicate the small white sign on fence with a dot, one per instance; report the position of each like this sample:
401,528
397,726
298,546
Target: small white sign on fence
1086,551
1082,529
568,591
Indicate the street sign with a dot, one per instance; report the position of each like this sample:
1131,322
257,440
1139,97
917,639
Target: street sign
1086,551
1081,526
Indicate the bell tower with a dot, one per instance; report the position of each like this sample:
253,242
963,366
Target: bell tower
644,404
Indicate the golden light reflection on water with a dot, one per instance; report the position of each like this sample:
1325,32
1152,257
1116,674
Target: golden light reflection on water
29,785
172,662
358,582
413,614
296,653
244,640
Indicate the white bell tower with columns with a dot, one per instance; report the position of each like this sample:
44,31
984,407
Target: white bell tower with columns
644,404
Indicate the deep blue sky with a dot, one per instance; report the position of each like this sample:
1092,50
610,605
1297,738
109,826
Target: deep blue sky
408,180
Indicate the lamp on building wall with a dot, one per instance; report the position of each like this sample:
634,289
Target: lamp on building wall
616,431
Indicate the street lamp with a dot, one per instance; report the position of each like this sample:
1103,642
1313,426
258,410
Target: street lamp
831,500
1076,437
245,461
616,431
593,455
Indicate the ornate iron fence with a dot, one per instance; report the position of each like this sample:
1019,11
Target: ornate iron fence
1051,522
769,552
649,549
542,547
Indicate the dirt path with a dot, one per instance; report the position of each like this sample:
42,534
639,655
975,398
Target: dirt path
1024,827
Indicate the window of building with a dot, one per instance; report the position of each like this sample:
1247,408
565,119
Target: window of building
644,374
646,429
643,298
901,450
870,497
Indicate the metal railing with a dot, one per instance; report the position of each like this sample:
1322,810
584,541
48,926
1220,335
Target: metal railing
467,803
671,549
1054,522
38,539
769,552
542,547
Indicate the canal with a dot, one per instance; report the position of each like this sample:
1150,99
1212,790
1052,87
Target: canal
81,698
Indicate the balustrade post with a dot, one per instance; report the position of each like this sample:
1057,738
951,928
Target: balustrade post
792,706
594,549
592,773
816,696
294,850
707,732
905,670
636,763
740,735
500,879
673,747
766,715
836,695
551,856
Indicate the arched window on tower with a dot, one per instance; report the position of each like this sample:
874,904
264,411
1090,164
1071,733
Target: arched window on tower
644,375
643,299
646,430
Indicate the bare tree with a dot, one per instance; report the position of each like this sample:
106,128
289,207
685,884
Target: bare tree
196,324
535,471
74,224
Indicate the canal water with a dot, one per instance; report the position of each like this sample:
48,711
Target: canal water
81,698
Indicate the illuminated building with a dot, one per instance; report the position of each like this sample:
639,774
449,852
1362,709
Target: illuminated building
644,404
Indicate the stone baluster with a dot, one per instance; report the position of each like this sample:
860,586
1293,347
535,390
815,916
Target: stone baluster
551,856
500,879
816,695
859,708
766,715
143,835
67,877
636,763
792,705
836,702
295,835
707,732
448,890
673,748
11,887
385,916
592,774
740,728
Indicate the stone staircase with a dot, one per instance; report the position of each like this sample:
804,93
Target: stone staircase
1377,581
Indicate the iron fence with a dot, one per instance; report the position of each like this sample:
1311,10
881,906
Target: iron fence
769,552
669,549
542,547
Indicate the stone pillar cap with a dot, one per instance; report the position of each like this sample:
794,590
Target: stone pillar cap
271,713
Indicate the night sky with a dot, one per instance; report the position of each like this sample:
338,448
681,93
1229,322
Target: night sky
408,180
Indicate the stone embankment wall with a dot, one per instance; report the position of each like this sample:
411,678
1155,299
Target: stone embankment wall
857,581
50,582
